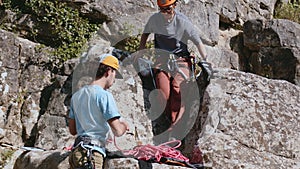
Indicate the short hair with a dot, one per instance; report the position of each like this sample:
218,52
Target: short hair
102,69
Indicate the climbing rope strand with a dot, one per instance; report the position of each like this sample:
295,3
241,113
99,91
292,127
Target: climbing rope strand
147,152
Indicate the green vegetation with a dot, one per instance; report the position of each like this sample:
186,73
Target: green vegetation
5,156
131,43
290,11
67,32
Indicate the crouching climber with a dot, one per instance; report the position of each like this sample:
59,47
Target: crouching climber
93,112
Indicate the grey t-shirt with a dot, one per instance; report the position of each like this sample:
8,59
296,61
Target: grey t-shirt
172,35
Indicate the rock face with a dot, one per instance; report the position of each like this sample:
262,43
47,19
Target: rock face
23,78
46,160
252,122
244,121
59,160
273,49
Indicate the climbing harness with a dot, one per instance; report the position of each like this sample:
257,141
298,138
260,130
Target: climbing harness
86,143
88,164
173,66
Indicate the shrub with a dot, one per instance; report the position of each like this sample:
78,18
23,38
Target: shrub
5,156
290,11
67,31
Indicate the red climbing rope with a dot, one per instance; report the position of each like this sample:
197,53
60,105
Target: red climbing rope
147,152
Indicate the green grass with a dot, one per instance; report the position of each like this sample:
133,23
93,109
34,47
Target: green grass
290,11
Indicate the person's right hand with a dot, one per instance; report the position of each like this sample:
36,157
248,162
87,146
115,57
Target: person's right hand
118,127
125,125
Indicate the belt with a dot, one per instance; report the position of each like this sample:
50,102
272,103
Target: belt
87,140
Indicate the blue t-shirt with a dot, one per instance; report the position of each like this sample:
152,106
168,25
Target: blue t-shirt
92,107
172,35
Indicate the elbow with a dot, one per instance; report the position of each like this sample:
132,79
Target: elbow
73,132
72,127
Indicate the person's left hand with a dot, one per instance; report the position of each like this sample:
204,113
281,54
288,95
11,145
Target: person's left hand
206,67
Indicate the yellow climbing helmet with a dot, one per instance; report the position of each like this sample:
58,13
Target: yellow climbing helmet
164,3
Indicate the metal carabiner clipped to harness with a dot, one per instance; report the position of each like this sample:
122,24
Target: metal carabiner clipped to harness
171,62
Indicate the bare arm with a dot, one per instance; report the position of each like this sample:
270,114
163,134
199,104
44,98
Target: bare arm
72,127
142,46
206,67
118,127
202,51
143,41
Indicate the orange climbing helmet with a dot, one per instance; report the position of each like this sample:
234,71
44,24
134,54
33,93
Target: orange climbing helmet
164,3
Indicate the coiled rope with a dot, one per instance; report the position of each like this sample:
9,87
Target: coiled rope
149,152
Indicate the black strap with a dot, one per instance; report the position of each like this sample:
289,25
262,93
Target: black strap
86,140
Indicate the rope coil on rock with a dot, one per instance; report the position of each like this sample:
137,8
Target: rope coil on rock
148,152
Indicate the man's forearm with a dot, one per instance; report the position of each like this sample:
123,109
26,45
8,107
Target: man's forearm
202,51
143,41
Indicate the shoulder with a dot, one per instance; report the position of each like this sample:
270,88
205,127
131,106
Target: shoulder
156,16
104,96
182,17
100,92
79,91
